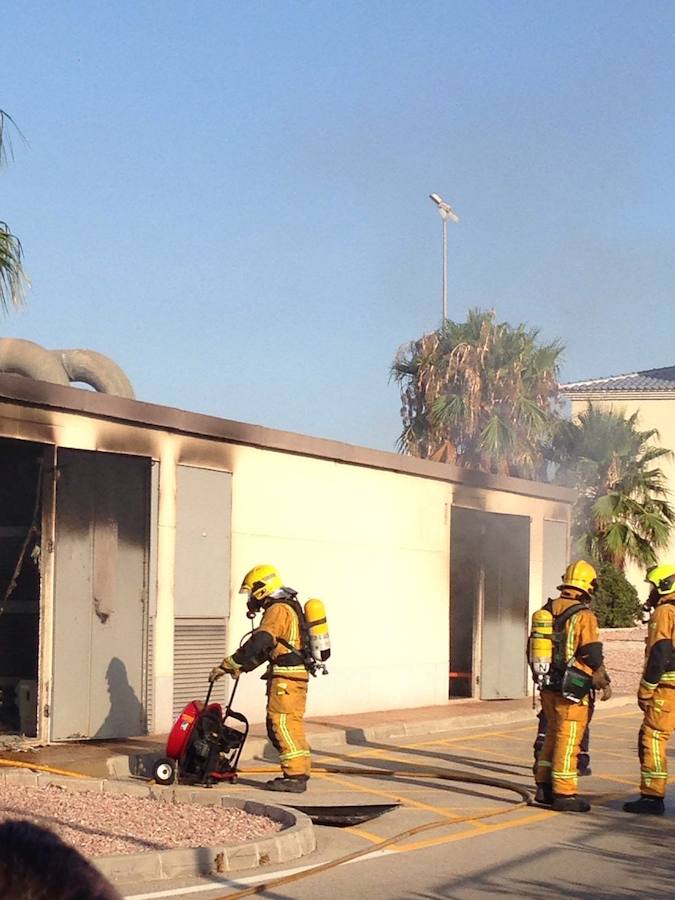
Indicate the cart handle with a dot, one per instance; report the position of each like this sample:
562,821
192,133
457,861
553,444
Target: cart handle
231,697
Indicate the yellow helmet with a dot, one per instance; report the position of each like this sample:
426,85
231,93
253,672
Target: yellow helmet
580,575
260,582
662,578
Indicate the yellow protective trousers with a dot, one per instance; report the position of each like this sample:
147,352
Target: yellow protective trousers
657,727
557,763
286,701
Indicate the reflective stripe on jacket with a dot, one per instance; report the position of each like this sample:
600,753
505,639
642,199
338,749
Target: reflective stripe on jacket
581,645
659,667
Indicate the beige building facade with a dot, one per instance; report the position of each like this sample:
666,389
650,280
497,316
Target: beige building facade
148,517
651,394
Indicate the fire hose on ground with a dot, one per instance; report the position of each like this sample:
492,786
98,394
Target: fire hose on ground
441,774
421,772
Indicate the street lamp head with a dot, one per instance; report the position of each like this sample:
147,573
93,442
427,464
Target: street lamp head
444,208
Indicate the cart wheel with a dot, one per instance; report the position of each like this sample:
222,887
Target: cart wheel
234,779
164,771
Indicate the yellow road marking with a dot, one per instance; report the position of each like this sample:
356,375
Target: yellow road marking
506,756
366,835
471,735
465,835
368,752
617,778
413,804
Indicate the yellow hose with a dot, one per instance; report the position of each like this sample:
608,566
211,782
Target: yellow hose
442,774
526,799
15,764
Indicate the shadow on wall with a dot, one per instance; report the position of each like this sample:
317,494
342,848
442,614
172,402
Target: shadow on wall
126,717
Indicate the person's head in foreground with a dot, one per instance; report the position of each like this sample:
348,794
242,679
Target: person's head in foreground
35,864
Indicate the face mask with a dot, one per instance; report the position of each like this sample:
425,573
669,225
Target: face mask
253,607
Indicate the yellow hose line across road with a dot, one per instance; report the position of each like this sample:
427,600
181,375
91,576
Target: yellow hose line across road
441,774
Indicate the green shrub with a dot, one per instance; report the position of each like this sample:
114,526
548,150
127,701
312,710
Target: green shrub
615,602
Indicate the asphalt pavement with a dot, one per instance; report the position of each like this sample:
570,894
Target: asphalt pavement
483,843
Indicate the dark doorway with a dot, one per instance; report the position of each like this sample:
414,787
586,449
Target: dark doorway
489,598
21,466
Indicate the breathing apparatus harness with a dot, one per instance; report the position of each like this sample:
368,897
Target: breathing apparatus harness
314,645
546,650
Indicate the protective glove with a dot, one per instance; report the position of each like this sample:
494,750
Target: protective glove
600,679
225,668
644,703
216,673
606,692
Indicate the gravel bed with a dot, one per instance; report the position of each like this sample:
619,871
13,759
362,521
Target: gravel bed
624,650
98,824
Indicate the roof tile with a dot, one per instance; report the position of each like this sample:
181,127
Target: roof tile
647,380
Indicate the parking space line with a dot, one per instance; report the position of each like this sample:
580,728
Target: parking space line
633,781
487,829
367,836
506,756
412,804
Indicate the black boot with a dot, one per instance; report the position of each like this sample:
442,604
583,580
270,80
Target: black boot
582,773
651,806
570,804
544,794
293,784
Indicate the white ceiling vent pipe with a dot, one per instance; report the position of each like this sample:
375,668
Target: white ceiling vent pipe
96,370
31,360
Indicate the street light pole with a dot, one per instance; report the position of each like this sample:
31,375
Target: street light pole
446,212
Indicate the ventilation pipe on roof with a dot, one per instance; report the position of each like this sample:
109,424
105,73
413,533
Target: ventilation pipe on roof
96,370
63,366
31,360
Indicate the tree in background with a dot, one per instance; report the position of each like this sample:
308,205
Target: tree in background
479,393
12,277
622,514
615,600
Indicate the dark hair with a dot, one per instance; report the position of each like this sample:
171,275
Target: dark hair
35,864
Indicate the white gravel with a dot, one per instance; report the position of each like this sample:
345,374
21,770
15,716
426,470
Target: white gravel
98,824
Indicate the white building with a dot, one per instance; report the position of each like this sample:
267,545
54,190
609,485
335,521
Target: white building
145,519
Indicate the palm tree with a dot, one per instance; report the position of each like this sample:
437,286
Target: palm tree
12,277
479,393
622,514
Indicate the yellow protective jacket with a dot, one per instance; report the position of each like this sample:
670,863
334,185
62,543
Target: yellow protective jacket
581,644
277,641
659,667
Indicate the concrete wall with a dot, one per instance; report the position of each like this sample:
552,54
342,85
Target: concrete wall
368,532
375,547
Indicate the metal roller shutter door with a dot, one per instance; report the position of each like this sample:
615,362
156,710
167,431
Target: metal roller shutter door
199,646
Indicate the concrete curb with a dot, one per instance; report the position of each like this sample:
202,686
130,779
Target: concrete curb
296,839
140,765
456,722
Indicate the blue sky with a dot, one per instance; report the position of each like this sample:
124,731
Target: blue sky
231,199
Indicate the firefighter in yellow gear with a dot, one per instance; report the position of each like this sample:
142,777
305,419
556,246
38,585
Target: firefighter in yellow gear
278,640
656,693
578,668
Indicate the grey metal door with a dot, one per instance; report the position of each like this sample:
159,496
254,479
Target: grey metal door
505,604
203,538
100,595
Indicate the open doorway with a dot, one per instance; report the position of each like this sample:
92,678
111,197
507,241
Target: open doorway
21,465
489,595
